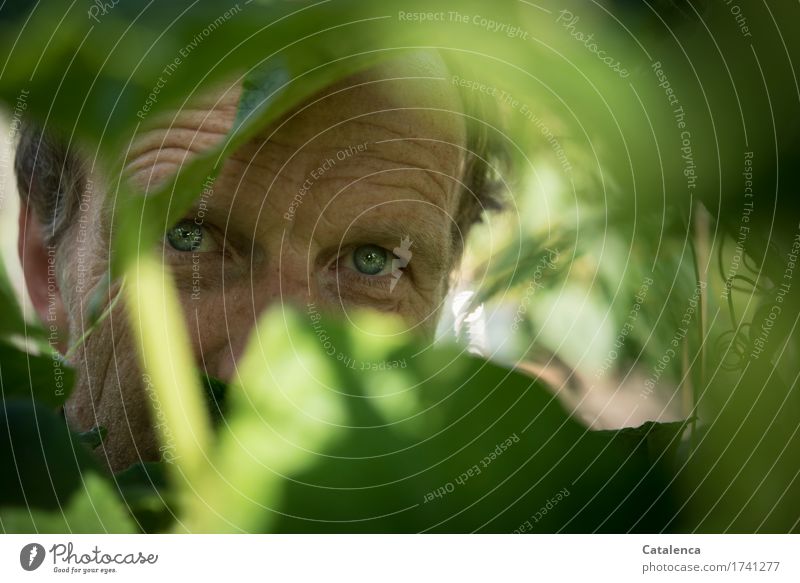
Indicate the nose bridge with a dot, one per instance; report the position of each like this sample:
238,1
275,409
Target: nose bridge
283,278
277,282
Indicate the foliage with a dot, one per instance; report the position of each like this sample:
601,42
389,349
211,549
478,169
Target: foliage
306,443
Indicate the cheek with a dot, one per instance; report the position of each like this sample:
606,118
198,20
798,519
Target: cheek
421,309
110,392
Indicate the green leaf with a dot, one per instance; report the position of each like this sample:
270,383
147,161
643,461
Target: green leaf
144,488
163,343
94,437
216,397
46,378
43,460
343,443
50,482
11,321
94,509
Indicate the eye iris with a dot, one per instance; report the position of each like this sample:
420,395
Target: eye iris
369,259
185,236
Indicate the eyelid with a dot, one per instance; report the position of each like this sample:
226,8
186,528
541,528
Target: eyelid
219,242
351,279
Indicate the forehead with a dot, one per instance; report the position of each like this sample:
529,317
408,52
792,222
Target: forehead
405,107
383,145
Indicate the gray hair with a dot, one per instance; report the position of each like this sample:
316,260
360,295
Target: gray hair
50,178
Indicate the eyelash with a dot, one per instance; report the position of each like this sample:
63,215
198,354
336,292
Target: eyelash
380,282
373,281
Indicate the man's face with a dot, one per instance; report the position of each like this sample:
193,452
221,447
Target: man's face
347,202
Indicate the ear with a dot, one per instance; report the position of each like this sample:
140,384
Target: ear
39,269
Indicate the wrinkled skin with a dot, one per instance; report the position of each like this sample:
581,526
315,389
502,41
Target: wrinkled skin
252,256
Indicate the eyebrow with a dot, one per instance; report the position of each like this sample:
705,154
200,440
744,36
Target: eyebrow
430,244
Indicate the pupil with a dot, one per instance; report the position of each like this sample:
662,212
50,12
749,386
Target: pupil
185,236
370,259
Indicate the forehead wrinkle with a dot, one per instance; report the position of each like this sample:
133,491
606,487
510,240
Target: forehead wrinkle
242,176
279,190
182,134
343,128
427,221
430,122
429,164
380,184
435,150
380,128
332,197
392,166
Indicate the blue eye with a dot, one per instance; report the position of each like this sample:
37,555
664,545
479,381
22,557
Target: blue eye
188,237
370,259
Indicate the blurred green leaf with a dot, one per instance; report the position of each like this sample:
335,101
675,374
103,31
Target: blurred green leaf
45,378
144,488
12,321
44,463
94,437
310,446
357,441
93,509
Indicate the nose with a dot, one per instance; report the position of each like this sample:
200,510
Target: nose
286,284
